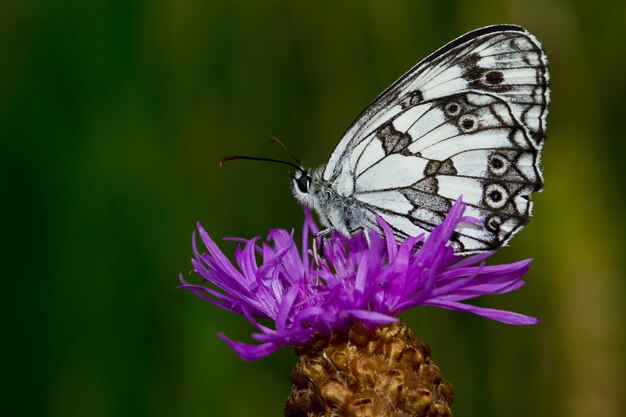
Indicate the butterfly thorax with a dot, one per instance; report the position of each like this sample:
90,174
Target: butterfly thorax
335,210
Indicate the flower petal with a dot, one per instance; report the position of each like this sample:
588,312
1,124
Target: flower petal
249,352
370,280
497,315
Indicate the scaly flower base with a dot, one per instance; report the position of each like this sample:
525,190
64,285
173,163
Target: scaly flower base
386,372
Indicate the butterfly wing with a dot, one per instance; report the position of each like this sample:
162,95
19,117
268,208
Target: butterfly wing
468,120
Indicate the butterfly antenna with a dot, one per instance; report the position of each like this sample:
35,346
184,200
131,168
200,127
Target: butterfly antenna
282,145
254,158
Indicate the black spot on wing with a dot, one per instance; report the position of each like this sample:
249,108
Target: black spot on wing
412,99
495,195
494,77
428,185
392,139
434,167
499,164
468,123
447,168
452,109
493,223
483,79
423,195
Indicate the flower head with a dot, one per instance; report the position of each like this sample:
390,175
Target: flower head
370,279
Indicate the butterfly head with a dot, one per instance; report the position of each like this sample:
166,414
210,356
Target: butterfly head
301,183
307,187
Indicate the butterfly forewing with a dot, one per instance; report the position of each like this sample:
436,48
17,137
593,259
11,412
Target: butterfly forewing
467,121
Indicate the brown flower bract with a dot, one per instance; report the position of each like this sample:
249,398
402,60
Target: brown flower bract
386,372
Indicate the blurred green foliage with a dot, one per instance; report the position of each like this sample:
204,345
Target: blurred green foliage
113,115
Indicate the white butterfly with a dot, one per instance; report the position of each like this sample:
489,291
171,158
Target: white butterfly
468,120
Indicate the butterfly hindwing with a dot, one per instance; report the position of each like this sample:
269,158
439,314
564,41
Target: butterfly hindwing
415,166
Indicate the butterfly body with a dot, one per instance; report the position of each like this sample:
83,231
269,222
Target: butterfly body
337,210
469,120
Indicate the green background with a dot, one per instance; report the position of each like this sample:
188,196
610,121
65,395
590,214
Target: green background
113,115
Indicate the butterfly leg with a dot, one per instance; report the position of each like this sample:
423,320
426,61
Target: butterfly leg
314,252
366,233
320,234
323,232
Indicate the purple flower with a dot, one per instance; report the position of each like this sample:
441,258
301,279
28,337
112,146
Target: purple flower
355,280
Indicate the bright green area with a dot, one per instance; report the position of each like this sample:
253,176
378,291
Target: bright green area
113,115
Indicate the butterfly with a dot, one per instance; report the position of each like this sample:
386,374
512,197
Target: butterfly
469,120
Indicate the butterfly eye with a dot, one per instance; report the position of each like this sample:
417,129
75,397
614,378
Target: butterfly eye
303,183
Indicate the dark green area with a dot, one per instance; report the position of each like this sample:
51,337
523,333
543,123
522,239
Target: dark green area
113,115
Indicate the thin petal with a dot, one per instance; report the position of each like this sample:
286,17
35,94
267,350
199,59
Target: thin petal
249,352
285,308
371,316
390,238
497,315
217,255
